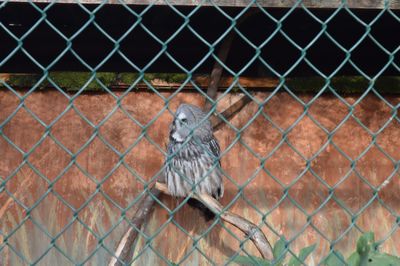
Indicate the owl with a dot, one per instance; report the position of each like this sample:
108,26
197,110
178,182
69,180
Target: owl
193,155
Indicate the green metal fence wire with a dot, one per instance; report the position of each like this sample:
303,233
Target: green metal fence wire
281,87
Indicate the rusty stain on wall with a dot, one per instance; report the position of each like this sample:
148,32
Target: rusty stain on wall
81,236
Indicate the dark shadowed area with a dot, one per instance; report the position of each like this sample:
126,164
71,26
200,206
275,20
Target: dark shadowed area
335,215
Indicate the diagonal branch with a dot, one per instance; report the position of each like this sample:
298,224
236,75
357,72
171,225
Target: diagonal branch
247,227
124,250
218,68
216,73
217,122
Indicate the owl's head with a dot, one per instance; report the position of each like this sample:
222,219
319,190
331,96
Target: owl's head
189,118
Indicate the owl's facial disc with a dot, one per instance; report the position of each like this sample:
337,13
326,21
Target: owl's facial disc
180,128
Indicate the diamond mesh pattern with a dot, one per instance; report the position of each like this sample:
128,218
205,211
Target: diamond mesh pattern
49,159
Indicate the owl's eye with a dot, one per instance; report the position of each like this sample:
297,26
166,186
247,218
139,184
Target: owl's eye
184,120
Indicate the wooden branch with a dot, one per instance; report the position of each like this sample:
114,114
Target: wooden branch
124,250
217,122
247,227
217,71
223,52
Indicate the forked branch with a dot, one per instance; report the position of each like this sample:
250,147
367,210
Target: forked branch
244,225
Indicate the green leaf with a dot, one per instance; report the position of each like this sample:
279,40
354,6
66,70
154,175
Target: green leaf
370,237
334,259
251,261
302,256
382,259
354,259
279,250
364,243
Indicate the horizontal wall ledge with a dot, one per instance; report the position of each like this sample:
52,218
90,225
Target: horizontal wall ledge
74,81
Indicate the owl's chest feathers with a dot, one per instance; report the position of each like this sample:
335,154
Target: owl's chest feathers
190,164
190,159
186,152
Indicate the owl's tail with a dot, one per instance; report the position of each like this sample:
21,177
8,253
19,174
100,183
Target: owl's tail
208,215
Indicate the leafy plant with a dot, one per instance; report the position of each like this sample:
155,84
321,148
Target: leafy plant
295,261
365,254
334,259
279,252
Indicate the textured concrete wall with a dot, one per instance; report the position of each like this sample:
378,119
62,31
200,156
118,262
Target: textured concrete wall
120,188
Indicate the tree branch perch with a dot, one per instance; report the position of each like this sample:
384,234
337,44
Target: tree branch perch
244,225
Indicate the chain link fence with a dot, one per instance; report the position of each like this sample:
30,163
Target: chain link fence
311,156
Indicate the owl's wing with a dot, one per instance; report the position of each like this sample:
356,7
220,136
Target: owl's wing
214,148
